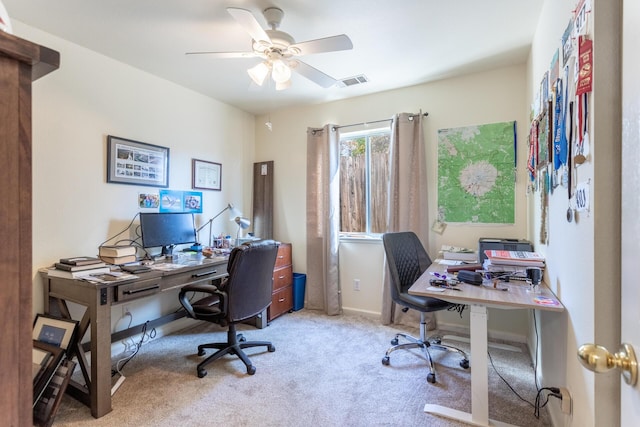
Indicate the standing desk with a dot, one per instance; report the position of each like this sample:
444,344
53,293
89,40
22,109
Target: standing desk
98,298
479,298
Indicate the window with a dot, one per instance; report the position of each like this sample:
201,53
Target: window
364,179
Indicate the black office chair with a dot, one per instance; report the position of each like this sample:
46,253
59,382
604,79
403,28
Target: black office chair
407,260
245,293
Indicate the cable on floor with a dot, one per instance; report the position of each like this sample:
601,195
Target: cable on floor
143,338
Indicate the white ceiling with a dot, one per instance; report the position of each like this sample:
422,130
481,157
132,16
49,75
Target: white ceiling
397,43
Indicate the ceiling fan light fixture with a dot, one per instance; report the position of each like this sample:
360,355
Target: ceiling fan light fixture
259,73
281,73
278,50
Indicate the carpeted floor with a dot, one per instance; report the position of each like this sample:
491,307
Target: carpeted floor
326,370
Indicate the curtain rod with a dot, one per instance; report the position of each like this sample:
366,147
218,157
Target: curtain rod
375,121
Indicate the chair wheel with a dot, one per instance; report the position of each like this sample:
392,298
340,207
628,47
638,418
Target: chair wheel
202,373
201,352
464,364
385,360
271,348
431,378
251,369
394,341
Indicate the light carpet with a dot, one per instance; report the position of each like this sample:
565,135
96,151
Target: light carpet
326,370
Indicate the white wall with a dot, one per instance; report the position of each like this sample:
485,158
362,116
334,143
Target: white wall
583,266
488,97
75,108
362,260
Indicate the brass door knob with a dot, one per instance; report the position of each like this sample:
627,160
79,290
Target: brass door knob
598,359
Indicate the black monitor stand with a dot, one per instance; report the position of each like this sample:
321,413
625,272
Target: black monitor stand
167,251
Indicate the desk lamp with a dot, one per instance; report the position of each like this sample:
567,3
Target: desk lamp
243,224
233,212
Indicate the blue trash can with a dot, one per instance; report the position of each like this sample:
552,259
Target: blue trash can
299,282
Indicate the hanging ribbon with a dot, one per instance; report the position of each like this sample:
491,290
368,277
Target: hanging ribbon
533,149
560,137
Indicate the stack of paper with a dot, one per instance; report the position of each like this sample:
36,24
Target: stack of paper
459,253
512,263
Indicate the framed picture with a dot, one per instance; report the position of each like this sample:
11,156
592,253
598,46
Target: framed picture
206,175
137,163
55,331
46,360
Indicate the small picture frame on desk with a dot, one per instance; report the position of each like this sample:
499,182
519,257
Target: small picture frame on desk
55,331
137,163
206,175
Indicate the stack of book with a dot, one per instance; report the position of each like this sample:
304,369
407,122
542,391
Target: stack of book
117,255
512,263
77,267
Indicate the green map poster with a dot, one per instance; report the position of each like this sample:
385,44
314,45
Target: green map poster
476,174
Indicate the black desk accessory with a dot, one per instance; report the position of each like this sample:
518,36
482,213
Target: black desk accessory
470,277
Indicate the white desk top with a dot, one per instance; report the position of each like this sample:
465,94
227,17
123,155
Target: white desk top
516,295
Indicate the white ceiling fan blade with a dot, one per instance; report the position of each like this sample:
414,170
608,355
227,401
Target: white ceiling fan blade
312,74
328,44
224,54
247,21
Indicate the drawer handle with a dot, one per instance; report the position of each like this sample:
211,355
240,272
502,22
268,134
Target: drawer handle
137,291
281,300
281,256
204,274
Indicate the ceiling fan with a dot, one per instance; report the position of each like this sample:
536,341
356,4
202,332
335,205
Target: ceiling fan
279,51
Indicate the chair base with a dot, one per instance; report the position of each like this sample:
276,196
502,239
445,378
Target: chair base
234,345
424,344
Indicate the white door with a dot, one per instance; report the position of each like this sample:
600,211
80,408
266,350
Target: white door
598,358
630,222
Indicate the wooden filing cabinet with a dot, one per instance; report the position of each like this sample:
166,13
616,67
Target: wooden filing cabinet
282,298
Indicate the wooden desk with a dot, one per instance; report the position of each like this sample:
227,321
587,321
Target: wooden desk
98,300
479,298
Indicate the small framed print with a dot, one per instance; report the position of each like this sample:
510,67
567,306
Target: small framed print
55,331
137,163
206,175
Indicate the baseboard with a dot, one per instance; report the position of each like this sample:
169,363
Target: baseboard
366,313
495,336
491,344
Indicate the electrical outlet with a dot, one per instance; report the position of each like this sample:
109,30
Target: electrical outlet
126,311
566,401
356,284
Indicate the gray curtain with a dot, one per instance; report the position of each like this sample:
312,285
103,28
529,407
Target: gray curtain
323,219
408,207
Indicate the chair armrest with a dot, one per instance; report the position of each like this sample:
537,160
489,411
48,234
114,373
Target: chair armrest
198,287
211,290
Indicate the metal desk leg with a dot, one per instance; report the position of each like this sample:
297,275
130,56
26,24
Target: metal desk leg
479,375
100,388
479,415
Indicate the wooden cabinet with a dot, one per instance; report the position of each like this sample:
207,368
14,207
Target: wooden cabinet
282,299
21,62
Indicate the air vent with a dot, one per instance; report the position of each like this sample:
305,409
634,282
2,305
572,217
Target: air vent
355,80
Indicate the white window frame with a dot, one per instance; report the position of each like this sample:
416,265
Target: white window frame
366,133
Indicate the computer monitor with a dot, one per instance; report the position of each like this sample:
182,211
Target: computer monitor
166,230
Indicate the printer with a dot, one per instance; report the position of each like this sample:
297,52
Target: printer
500,244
